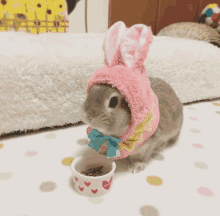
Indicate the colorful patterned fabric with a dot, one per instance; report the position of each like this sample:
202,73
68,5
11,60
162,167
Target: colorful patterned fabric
211,16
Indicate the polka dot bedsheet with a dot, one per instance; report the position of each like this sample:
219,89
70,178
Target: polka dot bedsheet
36,178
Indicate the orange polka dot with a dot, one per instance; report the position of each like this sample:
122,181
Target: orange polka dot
216,104
154,180
67,161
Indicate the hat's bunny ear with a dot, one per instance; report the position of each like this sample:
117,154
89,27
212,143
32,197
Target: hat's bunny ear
112,43
135,45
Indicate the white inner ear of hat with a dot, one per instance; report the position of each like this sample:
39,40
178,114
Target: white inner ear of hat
128,44
142,41
112,42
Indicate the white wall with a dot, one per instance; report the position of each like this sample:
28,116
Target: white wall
97,17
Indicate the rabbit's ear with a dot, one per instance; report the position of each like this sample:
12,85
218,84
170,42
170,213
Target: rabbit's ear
135,45
112,43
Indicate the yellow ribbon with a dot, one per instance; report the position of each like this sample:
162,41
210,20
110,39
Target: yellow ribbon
129,144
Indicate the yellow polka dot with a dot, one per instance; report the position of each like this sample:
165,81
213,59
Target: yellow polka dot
212,6
154,180
1,145
216,104
67,161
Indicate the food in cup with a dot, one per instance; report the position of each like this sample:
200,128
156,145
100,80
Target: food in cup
96,171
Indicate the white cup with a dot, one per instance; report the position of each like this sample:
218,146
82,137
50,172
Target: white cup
90,185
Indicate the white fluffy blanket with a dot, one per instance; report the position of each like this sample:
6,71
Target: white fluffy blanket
43,78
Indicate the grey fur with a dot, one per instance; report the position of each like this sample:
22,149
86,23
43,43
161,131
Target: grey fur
170,124
191,30
115,121
110,122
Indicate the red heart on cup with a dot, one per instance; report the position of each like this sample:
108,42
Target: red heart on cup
94,191
76,178
81,188
87,183
107,184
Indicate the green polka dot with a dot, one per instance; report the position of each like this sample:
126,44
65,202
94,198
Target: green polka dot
194,130
50,136
201,165
5,175
48,186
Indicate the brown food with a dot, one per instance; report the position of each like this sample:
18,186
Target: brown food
97,171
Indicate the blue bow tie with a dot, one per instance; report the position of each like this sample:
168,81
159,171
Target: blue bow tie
97,139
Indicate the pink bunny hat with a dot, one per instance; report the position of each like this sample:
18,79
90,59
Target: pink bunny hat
125,52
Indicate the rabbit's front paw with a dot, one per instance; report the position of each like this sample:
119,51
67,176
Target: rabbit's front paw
137,166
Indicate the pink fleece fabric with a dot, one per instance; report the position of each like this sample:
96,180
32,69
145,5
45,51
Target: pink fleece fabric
124,69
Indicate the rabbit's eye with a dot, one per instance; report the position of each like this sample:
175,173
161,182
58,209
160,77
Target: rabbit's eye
113,102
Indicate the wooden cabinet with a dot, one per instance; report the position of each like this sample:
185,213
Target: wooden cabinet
155,13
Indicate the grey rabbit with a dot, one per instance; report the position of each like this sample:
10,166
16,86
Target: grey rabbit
115,121
120,97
